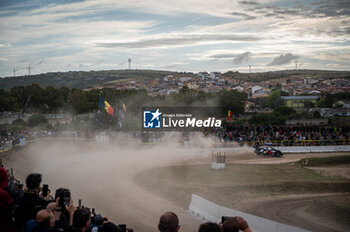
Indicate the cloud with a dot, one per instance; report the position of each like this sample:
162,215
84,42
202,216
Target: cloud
283,59
180,40
222,56
333,8
40,62
245,16
320,9
82,32
239,59
249,3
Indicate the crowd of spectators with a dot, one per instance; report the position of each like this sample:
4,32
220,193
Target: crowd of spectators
169,222
284,135
244,134
31,208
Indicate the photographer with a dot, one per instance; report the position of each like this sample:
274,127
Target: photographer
109,227
235,224
63,209
81,221
29,204
209,227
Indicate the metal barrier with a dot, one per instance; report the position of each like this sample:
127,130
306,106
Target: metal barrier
206,210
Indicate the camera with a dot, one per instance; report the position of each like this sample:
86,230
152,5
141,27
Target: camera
223,218
97,220
64,196
124,229
45,190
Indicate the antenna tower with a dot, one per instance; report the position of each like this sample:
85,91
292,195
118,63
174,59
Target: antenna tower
296,64
129,60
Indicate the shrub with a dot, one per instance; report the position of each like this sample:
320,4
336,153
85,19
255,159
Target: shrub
36,119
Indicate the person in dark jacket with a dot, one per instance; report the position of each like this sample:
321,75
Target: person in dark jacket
81,221
6,223
29,204
45,221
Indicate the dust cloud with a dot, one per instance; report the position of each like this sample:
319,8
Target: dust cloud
102,175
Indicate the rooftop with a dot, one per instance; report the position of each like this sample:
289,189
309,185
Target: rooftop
299,97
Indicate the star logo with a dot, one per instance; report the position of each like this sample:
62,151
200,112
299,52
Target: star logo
151,119
156,115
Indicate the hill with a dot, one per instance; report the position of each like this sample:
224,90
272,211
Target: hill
79,79
82,79
300,73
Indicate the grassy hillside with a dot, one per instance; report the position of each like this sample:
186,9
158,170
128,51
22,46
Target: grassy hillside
301,73
82,80
79,79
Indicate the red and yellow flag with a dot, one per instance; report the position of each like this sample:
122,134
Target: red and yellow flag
105,105
229,115
109,108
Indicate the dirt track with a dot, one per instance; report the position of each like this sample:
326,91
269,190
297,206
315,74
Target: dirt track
104,181
316,212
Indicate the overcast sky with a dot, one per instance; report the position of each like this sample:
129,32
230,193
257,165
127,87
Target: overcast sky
179,35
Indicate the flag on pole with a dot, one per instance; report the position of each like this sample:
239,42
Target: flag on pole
105,105
229,115
124,108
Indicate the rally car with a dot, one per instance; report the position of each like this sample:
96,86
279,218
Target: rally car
268,151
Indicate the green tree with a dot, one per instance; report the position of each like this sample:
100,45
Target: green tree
232,100
272,98
316,114
79,102
329,101
36,119
283,110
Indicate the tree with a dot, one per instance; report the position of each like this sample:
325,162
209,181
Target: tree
309,104
316,114
329,101
283,110
79,102
232,100
185,96
36,96
36,119
271,99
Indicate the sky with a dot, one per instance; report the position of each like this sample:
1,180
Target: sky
180,35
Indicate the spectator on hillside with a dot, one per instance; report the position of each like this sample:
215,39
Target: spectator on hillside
235,224
169,222
45,221
209,227
29,204
81,221
6,223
